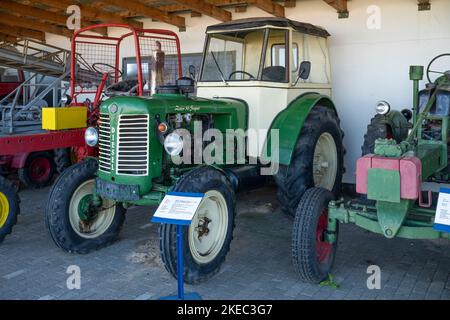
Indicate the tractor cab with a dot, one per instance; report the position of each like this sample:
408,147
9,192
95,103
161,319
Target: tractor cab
267,62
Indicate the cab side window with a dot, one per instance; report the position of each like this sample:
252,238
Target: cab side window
313,49
276,61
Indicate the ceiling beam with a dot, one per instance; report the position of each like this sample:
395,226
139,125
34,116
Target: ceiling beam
53,17
88,11
33,24
206,8
7,38
136,8
22,32
269,6
290,3
340,6
217,3
424,5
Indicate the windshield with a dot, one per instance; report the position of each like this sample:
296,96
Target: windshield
233,56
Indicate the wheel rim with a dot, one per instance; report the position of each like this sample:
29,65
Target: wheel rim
94,225
39,170
208,229
4,209
323,248
325,162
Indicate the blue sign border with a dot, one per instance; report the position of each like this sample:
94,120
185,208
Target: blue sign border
439,226
179,222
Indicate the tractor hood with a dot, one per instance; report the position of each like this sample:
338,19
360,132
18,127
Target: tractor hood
130,149
163,104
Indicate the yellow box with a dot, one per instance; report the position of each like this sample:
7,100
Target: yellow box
64,118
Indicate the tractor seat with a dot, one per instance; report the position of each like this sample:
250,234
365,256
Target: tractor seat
274,74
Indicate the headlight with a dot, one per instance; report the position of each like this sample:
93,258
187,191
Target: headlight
91,137
382,107
173,144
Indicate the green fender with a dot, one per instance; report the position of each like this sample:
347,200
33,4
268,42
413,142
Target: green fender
290,121
398,124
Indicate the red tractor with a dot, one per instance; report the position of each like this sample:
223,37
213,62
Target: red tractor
100,67
10,79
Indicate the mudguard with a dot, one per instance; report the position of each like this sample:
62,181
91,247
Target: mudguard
398,124
290,122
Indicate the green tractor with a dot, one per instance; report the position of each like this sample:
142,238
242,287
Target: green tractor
401,151
258,75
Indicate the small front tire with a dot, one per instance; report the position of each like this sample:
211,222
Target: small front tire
312,255
75,223
207,240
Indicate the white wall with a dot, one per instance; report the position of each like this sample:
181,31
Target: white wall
367,65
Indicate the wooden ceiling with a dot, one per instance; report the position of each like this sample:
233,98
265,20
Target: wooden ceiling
33,18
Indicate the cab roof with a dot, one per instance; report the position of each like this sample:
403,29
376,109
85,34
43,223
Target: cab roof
251,23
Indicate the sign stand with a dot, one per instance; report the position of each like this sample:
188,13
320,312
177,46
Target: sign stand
178,208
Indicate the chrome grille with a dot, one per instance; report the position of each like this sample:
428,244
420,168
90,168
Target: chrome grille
104,141
132,150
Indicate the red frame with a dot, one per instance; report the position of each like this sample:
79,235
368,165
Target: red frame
133,32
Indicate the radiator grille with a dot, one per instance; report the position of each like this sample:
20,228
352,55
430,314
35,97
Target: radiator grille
132,150
104,141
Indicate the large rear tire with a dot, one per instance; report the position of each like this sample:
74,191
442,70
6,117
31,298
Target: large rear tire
9,207
318,159
76,224
207,240
312,256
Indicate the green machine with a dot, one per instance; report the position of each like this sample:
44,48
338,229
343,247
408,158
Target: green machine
401,151
268,78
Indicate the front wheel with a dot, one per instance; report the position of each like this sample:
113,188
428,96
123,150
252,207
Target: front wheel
207,240
312,255
79,222
9,207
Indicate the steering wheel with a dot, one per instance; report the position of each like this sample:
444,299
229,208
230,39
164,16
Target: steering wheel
243,72
110,73
431,62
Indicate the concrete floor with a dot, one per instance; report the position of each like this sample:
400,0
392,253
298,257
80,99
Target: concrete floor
257,267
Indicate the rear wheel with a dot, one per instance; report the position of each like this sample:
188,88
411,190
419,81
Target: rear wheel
38,170
62,159
76,220
9,207
375,130
312,255
318,159
207,240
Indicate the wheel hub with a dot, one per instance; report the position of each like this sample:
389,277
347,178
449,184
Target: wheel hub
202,227
325,162
323,248
4,209
40,170
86,209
